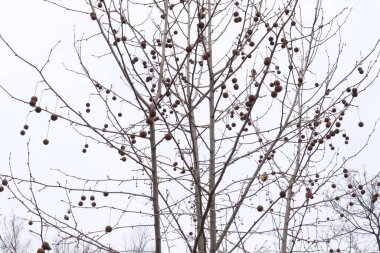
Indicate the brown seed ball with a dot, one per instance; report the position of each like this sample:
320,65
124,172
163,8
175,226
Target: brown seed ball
273,94
248,103
34,98
188,49
4,182
54,117
360,124
333,185
168,136
123,159
83,197
1,188
32,103
225,94
108,229
105,194
80,203
309,193
260,208
45,141
38,109
251,98
93,204
66,217
143,134
88,110
45,246
40,250
278,88
267,61
92,197
201,25
22,132
30,222
93,15
282,194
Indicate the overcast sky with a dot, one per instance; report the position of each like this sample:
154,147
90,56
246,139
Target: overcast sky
32,27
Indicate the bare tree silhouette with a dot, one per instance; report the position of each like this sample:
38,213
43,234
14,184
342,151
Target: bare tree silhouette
225,116
12,236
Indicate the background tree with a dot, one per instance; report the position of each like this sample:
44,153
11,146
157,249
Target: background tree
12,238
358,210
139,241
225,121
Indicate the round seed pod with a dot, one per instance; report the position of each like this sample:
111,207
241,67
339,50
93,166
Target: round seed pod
40,250
108,229
54,117
93,15
267,61
143,134
45,246
168,136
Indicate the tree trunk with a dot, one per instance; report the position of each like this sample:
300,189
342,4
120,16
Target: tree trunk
156,207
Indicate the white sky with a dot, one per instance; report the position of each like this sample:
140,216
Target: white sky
33,27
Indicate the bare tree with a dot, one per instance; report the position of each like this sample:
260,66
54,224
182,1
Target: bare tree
12,238
358,211
65,245
139,241
222,114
